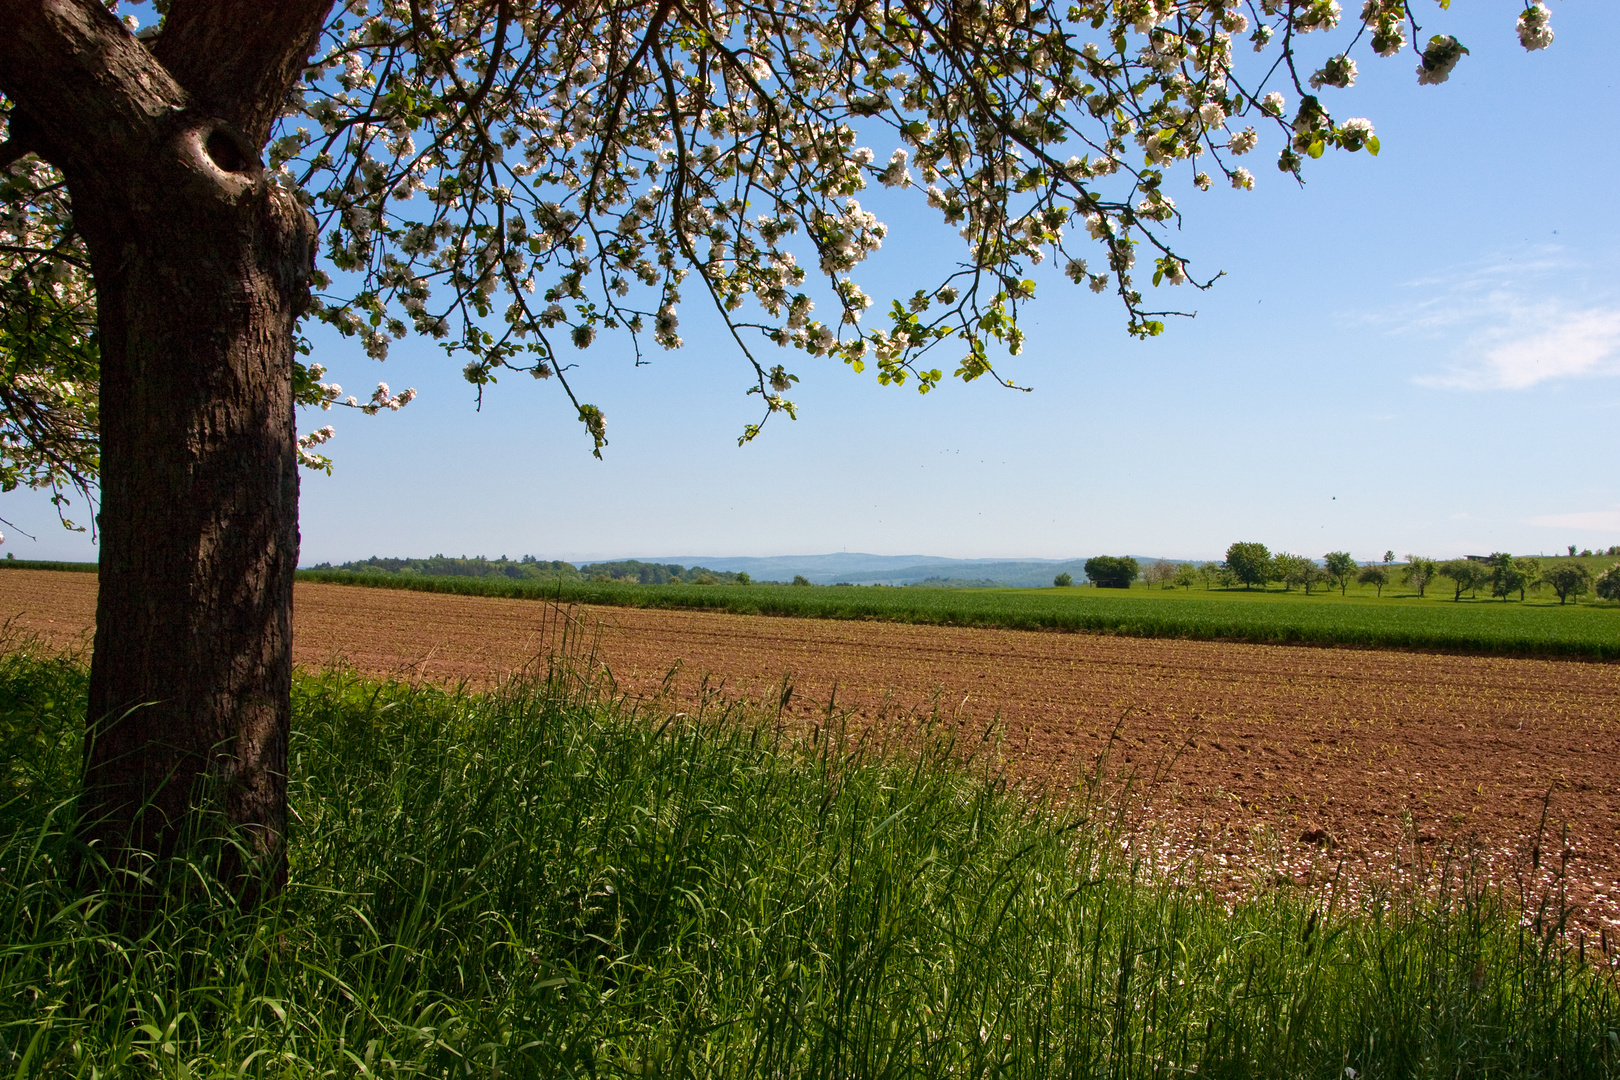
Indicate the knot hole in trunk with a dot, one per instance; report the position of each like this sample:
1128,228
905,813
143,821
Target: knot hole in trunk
223,150
224,153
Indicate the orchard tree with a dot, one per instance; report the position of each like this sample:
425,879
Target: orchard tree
1419,571
1160,572
1294,570
1288,569
519,182
1528,569
1466,574
1607,585
1568,579
1506,576
1340,569
1374,574
1250,564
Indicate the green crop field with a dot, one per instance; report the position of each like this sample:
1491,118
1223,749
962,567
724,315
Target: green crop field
1539,627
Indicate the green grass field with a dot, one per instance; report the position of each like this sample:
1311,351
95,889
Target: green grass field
1537,628
539,884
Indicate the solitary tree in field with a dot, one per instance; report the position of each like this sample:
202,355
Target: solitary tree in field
1340,569
1063,580
1374,574
1112,571
1250,564
1186,574
519,181
1419,572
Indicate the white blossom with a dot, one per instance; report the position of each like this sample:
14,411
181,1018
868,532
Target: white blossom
1339,71
1439,59
1317,15
1535,26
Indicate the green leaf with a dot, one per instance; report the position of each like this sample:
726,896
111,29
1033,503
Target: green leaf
1317,146
1372,145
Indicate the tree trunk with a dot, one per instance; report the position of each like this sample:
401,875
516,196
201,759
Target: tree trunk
202,265
201,269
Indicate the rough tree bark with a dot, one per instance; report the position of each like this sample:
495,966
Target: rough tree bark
201,266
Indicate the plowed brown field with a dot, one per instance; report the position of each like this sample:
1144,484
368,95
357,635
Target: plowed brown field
1300,760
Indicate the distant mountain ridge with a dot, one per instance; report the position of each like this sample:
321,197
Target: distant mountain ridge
849,567
860,568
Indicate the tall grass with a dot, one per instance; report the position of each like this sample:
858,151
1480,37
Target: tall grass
1586,632
540,882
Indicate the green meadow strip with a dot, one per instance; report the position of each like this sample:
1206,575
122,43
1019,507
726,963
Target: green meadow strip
540,883
1512,629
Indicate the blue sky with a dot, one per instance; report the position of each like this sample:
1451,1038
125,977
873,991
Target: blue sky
1418,352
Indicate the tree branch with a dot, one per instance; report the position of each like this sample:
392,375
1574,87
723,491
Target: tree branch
239,59
89,91
13,150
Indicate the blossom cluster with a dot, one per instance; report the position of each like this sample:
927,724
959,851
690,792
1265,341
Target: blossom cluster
306,449
517,180
49,364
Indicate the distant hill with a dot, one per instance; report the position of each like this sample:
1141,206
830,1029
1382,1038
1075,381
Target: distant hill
855,568
862,569
530,568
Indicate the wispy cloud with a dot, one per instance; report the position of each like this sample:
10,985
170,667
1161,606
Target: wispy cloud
1512,323
1604,520
1534,344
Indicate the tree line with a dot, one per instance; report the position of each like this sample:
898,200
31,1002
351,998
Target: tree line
530,568
1502,575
